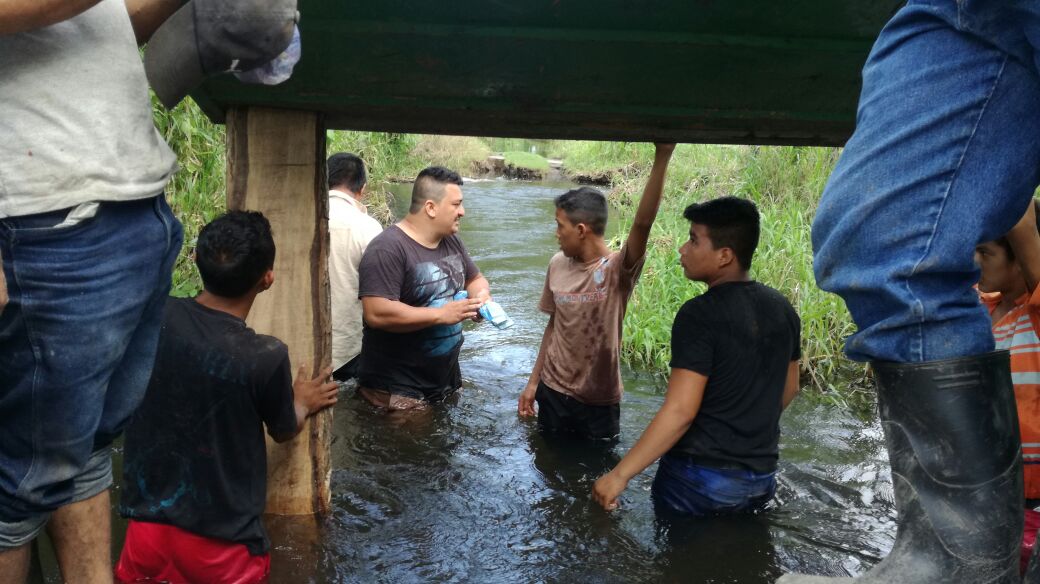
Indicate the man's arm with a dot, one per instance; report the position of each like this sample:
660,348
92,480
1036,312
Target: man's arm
525,407
309,397
792,385
397,317
147,16
479,288
23,15
648,205
1025,242
681,404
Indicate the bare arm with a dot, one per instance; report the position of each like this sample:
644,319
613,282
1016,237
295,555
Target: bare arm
479,288
23,15
525,407
397,317
681,404
648,205
310,396
147,16
1025,242
792,385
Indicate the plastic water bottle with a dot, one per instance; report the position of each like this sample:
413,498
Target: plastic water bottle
491,311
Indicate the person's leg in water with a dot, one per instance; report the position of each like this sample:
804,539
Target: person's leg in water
944,156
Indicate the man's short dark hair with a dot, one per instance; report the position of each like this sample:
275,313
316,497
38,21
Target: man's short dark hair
429,186
347,170
731,222
585,205
234,251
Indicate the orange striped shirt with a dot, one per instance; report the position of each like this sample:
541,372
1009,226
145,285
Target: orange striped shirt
1017,332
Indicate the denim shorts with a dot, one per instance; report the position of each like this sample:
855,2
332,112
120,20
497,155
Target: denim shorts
77,344
682,487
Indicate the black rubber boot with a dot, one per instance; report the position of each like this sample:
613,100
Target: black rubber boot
952,432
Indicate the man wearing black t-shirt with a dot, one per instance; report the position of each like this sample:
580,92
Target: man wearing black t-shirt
735,352
195,464
409,280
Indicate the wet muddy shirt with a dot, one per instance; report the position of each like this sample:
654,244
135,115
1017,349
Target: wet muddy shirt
742,336
195,456
588,302
422,364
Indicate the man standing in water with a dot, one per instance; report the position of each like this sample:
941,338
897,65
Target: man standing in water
944,157
409,279
735,352
195,465
350,232
576,378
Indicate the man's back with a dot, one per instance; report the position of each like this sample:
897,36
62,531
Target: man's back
195,454
742,336
350,232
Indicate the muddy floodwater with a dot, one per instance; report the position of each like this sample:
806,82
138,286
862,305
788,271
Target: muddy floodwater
468,492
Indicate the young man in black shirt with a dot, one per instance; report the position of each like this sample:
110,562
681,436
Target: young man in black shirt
735,352
195,463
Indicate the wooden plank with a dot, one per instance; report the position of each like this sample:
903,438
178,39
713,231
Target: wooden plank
276,165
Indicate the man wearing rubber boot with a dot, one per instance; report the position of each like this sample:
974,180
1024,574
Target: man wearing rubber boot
945,156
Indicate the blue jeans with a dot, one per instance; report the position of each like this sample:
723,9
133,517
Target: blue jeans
684,488
946,154
77,344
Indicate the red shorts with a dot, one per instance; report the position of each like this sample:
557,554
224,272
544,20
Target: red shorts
155,552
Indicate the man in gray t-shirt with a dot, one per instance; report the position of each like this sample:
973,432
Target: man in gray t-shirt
87,245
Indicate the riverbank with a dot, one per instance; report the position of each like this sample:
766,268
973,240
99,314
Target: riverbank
785,183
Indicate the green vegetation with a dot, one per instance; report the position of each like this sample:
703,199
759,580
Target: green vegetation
197,191
784,182
526,160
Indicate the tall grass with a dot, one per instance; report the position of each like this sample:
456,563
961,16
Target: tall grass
197,191
785,183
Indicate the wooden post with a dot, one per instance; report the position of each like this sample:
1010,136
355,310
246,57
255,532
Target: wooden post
276,165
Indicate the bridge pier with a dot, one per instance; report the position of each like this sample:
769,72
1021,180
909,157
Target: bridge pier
276,165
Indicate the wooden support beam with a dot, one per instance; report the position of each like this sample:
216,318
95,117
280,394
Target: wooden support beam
276,165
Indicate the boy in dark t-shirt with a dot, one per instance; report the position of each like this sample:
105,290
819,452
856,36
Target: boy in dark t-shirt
408,282
735,352
195,463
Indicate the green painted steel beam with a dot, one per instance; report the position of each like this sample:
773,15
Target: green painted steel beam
718,71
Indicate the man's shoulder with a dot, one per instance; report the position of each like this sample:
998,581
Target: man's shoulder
775,296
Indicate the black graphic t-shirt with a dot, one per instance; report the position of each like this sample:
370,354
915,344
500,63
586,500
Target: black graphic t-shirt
195,456
742,336
425,363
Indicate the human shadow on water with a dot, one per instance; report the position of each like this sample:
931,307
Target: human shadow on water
571,464
736,548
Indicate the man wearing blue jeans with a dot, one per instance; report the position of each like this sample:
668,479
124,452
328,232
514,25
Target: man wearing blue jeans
945,156
87,244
